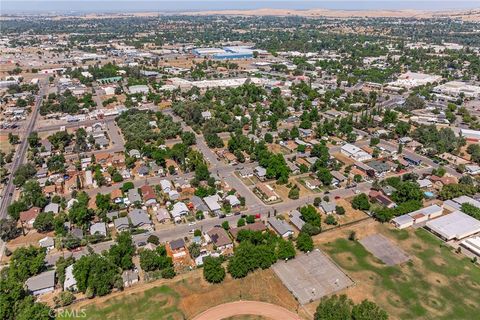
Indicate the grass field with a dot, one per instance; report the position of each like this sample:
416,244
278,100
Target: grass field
183,299
156,303
436,284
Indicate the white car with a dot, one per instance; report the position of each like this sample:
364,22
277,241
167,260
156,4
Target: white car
192,223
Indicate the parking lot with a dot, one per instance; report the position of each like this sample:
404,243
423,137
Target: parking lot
311,276
384,249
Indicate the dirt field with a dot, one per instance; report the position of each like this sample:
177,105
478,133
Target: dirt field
424,288
189,295
4,145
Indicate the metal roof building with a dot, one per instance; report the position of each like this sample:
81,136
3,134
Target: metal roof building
456,225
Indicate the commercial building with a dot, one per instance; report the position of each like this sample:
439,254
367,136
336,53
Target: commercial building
457,89
417,216
472,244
411,80
456,225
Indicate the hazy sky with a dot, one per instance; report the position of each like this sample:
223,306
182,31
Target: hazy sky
11,6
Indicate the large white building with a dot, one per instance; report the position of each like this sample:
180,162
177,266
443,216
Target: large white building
410,80
456,88
456,225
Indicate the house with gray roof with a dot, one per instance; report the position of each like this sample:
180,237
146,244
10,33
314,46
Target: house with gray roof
52,207
328,207
41,283
212,203
121,224
198,204
134,196
70,283
296,220
139,218
47,243
282,228
166,185
179,209
98,228
134,153
112,215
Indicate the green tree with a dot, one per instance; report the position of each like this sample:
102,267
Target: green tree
325,176
334,308
304,242
285,249
361,202
368,310
44,222
213,271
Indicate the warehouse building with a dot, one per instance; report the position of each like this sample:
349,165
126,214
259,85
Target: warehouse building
456,225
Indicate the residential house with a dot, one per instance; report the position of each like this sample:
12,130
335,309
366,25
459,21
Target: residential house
77,233
282,228
328,207
52,207
267,192
296,219
134,196
233,200
256,226
382,199
212,203
312,184
220,238
116,196
260,173
129,277
134,153
412,160
48,243
41,283
355,152
27,218
166,186
140,218
177,250
198,204
179,210
162,215
148,195
338,178
99,228
121,224
70,283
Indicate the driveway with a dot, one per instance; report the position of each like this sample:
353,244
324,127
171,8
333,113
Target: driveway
236,308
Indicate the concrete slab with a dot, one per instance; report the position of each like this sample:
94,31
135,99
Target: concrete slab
311,276
384,249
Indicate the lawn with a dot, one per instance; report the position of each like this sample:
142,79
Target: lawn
436,284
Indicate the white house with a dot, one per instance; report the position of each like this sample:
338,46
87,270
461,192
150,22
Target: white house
355,152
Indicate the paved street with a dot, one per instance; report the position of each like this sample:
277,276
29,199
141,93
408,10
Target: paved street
21,151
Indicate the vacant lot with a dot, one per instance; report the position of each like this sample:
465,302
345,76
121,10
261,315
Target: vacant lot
435,284
183,299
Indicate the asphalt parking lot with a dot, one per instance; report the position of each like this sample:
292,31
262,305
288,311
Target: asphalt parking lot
384,249
311,276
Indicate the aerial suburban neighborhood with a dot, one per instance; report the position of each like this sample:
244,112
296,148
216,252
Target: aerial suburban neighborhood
258,164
